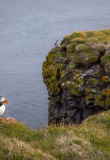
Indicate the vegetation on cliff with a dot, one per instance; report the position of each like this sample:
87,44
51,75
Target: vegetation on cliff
77,75
87,141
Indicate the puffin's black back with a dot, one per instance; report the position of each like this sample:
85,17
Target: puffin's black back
1,101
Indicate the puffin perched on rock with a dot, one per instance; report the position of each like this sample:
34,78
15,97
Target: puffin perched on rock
3,102
57,43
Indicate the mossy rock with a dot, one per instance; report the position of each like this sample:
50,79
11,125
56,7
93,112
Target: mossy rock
96,82
85,48
69,85
78,71
105,61
105,79
88,90
105,58
75,92
90,81
105,92
93,59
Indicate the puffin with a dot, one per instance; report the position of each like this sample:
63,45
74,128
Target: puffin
3,102
57,43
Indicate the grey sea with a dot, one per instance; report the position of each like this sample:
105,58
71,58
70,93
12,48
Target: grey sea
28,31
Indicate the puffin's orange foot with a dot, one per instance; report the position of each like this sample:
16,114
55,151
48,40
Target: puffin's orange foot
0,118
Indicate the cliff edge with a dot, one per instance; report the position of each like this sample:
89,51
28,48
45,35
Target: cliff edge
77,76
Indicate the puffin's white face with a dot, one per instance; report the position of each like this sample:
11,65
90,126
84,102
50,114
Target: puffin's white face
3,100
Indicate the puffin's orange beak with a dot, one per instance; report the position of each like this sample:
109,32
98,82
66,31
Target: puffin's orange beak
6,101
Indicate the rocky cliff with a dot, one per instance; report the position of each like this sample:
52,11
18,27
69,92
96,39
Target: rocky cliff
77,76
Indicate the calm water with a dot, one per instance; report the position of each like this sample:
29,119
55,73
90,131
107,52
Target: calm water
28,30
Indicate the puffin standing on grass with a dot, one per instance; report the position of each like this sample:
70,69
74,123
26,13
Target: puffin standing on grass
3,102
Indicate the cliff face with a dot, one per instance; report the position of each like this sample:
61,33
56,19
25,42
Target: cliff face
77,76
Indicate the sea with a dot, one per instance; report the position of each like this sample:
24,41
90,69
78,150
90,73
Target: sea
28,31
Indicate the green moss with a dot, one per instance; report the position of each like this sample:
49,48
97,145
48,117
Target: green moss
74,91
78,40
105,79
102,36
79,60
105,58
105,92
90,81
90,34
62,46
79,81
78,35
52,51
62,55
88,90
71,48
56,99
96,74
93,59
62,67
98,98
107,103
51,79
87,97
58,65
65,40
54,55
83,48
96,82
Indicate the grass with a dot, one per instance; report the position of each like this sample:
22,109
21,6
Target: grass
89,140
106,57
102,36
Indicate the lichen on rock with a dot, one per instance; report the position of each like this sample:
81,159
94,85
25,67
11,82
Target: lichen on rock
77,76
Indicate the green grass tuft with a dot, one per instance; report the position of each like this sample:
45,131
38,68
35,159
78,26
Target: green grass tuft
89,140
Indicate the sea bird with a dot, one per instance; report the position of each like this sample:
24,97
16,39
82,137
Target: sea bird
3,102
57,43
